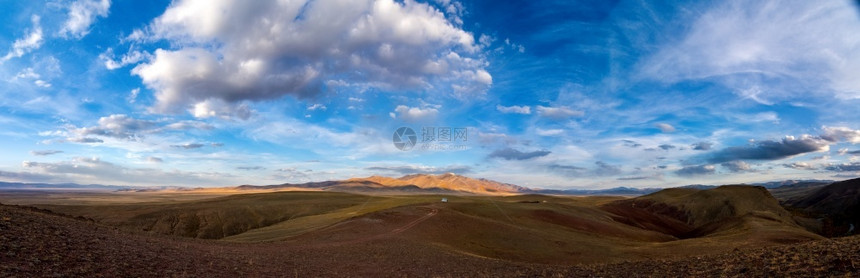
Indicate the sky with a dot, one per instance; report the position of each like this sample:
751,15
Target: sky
544,94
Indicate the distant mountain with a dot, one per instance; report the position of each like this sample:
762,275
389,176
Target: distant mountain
793,183
418,183
611,191
447,181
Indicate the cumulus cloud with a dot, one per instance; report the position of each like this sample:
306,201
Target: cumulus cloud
45,152
236,51
767,50
836,134
415,114
799,166
221,109
153,159
844,167
82,14
420,169
737,166
666,147
118,126
514,109
25,45
664,127
696,170
702,146
558,112
122,127
513,154
772,150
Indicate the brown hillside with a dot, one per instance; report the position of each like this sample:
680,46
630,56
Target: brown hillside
686,213
837,204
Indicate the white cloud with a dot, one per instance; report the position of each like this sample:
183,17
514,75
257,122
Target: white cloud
27,73
239,50
125,132
664,127
219,108
82,14
800,166
836,134
514,109
132,57
558,112
25,45
549,132
767,50
414,114
42,83
132,96
316,106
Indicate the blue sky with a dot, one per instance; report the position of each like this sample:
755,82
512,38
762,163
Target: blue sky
550,94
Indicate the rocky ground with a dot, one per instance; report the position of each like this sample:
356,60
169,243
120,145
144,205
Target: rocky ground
35,243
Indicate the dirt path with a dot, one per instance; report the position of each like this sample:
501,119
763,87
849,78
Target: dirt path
432,213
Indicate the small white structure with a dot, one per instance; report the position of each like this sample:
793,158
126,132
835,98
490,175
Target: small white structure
444,200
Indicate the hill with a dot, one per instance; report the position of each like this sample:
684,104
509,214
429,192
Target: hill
735,211
837,206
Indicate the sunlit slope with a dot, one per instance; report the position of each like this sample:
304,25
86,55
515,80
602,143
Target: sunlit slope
218,217
746,212
299,225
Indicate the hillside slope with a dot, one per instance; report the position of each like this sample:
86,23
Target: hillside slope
723,211
837,205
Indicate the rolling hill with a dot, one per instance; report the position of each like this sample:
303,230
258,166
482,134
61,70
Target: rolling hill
835,207
735,211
